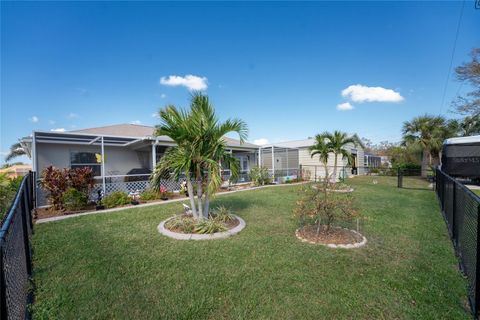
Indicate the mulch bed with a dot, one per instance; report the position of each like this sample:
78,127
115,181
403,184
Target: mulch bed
334,236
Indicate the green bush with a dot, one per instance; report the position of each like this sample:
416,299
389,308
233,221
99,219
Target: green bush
259,176
184,223
74,200
149,195
222,214
209,226
115,199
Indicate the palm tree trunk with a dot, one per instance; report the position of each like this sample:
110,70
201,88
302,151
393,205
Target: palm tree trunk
335,168
200,199
206,209
425,162
191,196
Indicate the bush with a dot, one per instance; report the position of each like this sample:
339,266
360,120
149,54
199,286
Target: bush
149,195
222,214
184,223
74,199
115,199
259,176
57,181
209,226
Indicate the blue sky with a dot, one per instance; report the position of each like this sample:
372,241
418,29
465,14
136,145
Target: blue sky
281,67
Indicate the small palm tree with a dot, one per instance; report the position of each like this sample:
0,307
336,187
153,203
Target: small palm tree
322,149
337,142
428,132
16,150
200,151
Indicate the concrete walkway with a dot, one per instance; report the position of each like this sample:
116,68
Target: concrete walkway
58,218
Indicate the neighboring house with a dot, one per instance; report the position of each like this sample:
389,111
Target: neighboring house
313,168
17,170
130,152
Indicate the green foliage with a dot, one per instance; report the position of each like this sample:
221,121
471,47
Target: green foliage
259,176
8,190
209,226
74,199
115,199
149,195
222,214
183,223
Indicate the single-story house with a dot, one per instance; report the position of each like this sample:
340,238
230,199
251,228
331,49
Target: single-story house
312,167
130,152
17,170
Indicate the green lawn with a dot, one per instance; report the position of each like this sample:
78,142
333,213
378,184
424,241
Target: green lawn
117,266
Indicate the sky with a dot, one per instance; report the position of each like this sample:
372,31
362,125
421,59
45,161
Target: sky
289,70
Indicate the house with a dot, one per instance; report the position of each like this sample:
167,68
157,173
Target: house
312,167
17,170
372,161
121,156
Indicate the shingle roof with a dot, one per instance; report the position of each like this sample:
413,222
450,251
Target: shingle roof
141,131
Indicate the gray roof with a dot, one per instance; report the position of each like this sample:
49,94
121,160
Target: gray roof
305,143
141,131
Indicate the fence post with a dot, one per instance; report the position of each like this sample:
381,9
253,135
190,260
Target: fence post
477,267
399,178
315,173
300,172
26,237
454,211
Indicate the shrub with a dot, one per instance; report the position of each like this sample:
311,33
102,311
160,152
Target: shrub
209,226
320,207
81,179
74,199
115,199
149,195
184,223
222,214
259,176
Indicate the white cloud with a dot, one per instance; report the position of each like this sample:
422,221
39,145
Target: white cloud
72,115
344,106
163,96
136,122
58,130
360,93
155,115
191,82
261,141
34,119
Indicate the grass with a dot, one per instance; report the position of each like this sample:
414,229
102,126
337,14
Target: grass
117,266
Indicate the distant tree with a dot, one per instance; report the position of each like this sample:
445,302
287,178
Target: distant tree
470,126
428,132
337,142
322,149
469,73
8,165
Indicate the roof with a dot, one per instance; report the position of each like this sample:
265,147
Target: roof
142,131
462,140
307,143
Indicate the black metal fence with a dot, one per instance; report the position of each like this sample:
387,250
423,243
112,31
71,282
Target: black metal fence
413,179
15,254
461,210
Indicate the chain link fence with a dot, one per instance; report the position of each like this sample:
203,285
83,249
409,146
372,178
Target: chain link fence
461,209
16,255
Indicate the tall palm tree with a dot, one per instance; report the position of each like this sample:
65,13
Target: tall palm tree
337,142
16,150
321,149
200,151
428,132
470,125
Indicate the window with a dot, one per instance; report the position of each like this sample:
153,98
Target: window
243,163
86,159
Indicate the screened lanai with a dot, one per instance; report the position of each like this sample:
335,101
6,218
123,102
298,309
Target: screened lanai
281,162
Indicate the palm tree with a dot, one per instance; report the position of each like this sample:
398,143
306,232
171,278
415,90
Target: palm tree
16,150
337,142
470,125
321,149
200,151
428,132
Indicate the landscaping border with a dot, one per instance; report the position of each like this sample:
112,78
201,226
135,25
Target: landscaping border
58,218
193,236
335,246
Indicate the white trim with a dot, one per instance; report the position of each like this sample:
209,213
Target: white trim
103,168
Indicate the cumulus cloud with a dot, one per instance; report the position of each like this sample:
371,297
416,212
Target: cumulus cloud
72,115
136,122
261,141
361,93
344,106
191,82
58,130
34,119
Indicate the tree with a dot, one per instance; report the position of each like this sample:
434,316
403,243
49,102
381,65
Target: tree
470,73
470,126
336,142
16,150
200,151
428,132
322,149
